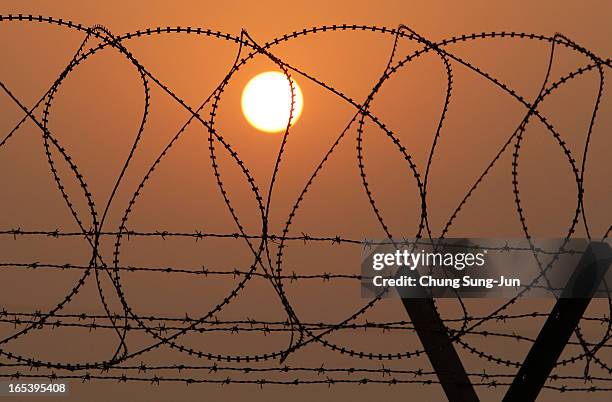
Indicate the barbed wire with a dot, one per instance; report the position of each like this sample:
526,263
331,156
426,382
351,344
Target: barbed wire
266,263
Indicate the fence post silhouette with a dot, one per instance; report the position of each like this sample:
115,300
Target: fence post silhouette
436,341
561,323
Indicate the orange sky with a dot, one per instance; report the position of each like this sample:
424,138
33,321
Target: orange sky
98,109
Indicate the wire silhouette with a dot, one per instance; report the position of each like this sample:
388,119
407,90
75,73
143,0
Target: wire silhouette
267,264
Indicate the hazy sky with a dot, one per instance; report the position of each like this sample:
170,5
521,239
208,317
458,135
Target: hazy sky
98,109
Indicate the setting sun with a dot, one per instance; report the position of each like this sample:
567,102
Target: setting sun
266,102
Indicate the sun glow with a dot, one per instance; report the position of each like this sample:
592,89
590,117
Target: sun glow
266,102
